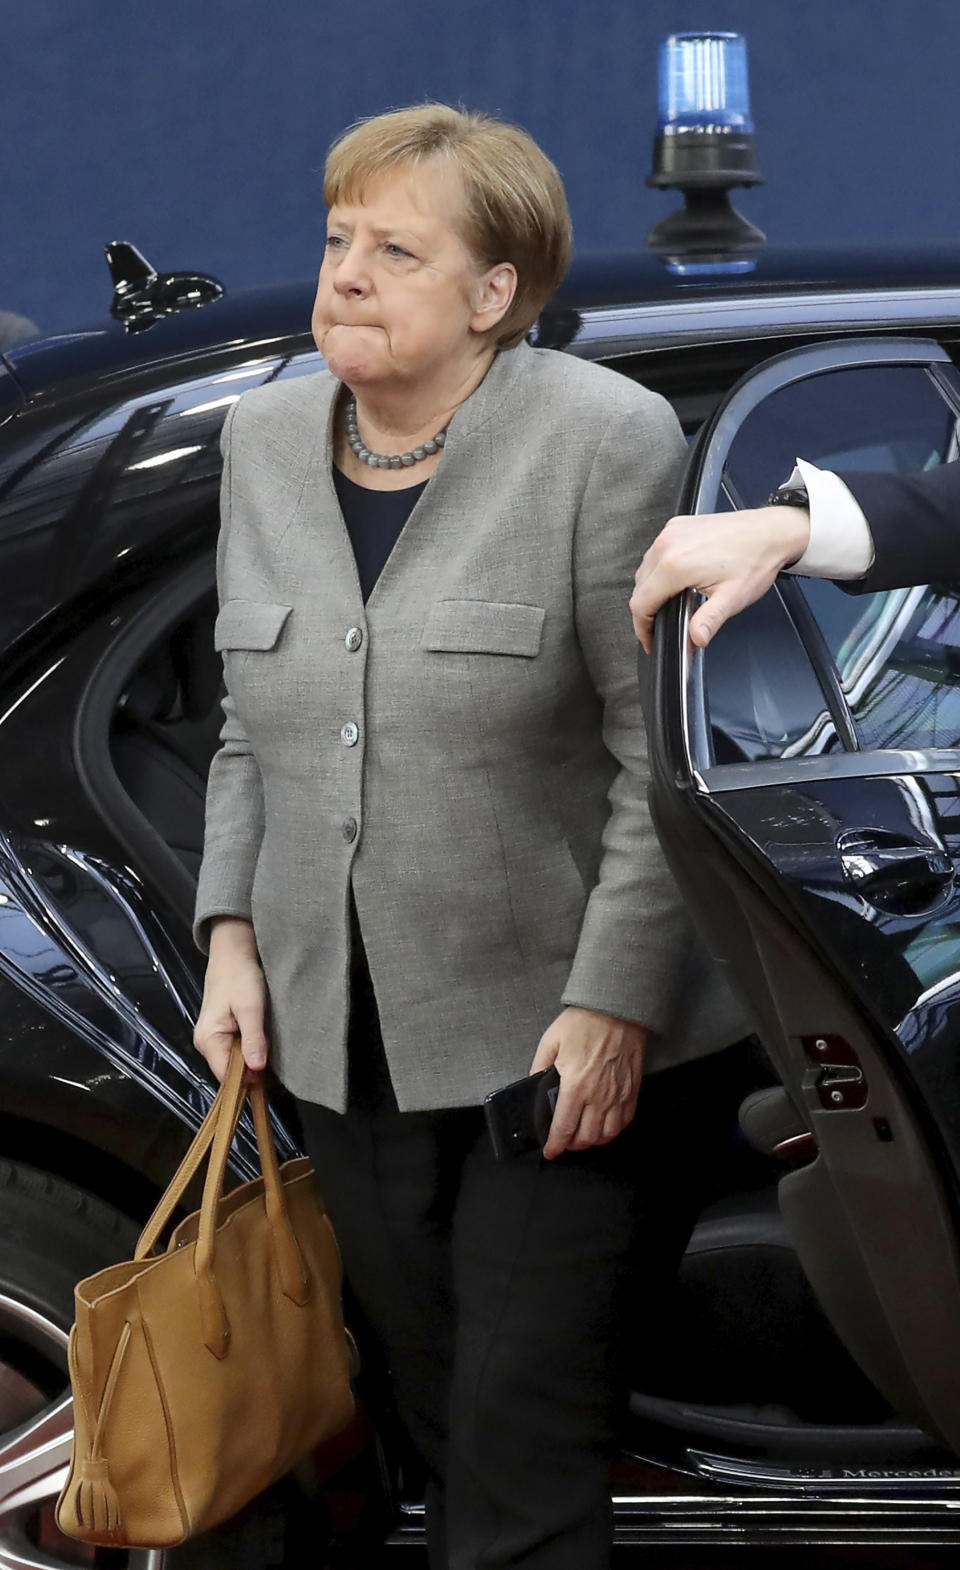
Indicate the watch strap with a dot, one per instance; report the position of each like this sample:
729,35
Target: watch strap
789,496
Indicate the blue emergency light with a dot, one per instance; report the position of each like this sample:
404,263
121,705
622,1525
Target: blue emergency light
703,82
704,146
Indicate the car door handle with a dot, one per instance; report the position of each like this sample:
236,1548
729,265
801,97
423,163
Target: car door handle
895,874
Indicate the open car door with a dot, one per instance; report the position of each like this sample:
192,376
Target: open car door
806,786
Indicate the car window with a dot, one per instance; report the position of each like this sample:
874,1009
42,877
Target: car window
762,695
897,654
892,418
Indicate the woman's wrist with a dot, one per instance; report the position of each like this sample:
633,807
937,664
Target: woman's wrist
233,935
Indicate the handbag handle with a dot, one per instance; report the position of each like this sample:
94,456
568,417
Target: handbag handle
215,1135
177,1187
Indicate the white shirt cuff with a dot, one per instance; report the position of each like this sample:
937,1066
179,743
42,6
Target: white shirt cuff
841,545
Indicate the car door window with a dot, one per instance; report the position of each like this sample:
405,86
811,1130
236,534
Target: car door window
873,417
762,693
898,657
892,659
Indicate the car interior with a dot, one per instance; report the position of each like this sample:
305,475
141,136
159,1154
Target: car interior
746,1362
165,731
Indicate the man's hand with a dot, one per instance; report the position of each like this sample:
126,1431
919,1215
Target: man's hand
731,557
600,1062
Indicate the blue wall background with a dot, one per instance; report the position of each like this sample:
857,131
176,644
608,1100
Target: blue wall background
199,131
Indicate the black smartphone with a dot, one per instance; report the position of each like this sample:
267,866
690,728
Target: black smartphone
519,1115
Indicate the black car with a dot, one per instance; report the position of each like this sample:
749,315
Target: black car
806,1383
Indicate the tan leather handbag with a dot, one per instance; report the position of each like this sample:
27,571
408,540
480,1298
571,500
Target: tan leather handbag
203,1373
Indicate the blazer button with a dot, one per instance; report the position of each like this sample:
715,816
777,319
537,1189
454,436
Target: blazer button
350,734
349,830
354,639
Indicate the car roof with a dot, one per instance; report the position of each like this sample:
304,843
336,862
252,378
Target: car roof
619,277
276,318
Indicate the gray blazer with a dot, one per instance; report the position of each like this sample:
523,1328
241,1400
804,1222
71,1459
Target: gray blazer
468,748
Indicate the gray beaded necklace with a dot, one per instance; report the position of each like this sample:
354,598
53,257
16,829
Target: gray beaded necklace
377,460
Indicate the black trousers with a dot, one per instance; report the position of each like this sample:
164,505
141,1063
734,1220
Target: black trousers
506,1298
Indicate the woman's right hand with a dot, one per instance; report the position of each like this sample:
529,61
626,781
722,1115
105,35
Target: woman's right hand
234,999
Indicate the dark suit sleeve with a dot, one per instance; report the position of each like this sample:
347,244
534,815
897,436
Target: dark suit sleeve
915,523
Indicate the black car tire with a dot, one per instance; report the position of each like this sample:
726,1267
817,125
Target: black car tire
52,1235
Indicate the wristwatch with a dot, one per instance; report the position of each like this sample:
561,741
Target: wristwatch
789,496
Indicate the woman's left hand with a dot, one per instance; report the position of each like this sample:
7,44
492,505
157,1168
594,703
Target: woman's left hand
600,1062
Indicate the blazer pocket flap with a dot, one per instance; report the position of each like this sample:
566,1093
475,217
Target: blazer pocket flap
484,627
248,624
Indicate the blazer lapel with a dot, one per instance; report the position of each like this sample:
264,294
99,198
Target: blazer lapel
319,538
438,513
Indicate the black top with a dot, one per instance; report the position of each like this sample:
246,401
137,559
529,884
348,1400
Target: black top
374,520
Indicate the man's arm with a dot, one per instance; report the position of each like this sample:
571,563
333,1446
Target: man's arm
913,526
731,557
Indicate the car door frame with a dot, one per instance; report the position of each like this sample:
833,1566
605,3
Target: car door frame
809,1017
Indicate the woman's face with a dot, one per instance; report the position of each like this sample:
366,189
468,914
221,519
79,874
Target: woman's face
399,298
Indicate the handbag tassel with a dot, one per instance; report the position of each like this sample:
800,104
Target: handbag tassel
98,1508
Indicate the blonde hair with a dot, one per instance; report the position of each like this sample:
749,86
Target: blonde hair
515,208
